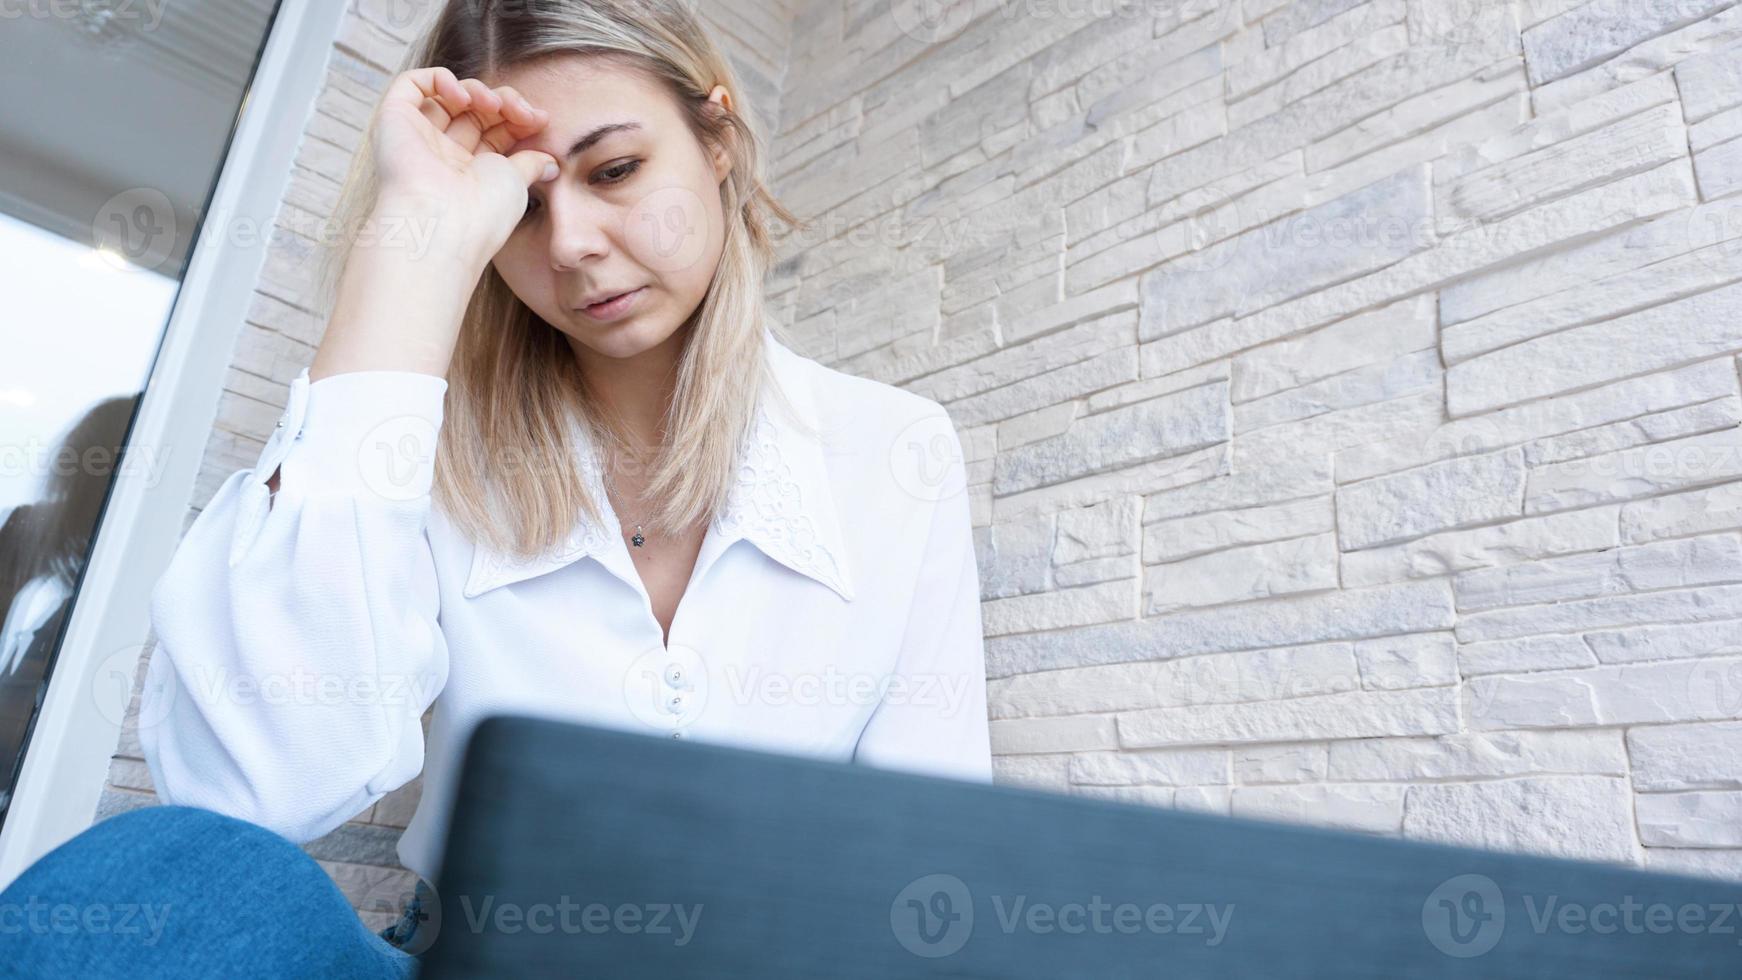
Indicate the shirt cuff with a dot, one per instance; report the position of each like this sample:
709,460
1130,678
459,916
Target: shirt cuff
370,433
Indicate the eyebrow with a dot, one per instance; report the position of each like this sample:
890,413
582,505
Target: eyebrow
586,142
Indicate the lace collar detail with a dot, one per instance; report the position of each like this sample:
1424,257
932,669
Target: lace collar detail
780,502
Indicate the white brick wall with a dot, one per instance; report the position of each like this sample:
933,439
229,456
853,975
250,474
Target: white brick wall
1351,392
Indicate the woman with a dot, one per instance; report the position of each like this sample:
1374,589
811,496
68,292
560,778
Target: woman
548,459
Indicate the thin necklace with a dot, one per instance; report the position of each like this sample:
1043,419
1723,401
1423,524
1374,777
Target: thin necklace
638,539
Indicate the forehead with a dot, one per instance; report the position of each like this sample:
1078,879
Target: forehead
582,93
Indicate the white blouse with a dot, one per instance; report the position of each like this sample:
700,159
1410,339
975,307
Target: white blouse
834,611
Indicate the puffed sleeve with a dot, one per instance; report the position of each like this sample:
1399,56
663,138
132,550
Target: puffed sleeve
302,626
933,715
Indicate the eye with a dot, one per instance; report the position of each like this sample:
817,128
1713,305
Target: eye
611,175
623,171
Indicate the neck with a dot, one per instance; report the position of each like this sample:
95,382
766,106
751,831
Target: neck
636,389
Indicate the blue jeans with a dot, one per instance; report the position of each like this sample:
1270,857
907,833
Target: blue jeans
173,891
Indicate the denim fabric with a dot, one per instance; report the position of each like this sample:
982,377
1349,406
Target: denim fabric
172,891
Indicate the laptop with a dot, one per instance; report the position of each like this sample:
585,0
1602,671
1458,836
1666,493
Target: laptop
581,851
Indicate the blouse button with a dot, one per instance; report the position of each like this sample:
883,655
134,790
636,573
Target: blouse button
677,734
674,675
675,703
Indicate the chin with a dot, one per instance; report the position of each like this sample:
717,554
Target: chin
622,338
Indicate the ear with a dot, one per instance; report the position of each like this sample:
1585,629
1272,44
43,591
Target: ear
720,95
722,159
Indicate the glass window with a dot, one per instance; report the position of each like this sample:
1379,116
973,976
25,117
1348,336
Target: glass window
118,118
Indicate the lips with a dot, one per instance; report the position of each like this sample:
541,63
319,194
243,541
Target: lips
598,298
615,307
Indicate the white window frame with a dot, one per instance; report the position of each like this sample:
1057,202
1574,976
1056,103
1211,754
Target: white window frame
66,764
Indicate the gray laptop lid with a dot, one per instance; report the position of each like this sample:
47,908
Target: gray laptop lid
578,851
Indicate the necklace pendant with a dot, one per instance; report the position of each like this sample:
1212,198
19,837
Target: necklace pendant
638,540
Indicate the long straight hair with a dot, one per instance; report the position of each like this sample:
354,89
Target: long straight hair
506,470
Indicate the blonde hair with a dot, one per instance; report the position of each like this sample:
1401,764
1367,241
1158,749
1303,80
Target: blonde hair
516,395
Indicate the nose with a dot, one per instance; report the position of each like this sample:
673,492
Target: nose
577,231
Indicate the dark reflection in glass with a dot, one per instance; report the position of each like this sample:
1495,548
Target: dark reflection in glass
42,553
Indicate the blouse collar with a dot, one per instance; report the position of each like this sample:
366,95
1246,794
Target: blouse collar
781,503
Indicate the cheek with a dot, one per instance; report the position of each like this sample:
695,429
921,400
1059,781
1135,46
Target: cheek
672,231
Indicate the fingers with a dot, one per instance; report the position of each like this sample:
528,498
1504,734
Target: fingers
435,92
484,98
485,105
518,120
534,165
498,118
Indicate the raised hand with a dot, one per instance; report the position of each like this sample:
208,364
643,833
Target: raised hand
440,145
